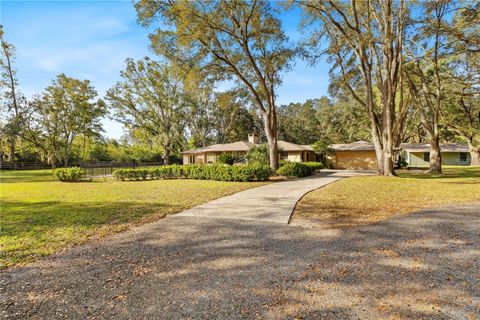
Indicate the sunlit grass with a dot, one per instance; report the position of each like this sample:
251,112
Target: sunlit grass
40,216
363,200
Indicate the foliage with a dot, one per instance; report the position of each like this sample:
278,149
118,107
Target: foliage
314,166
296,169
258,155
41,216
12,102
230,158
152,96
61,113
73,174
199,172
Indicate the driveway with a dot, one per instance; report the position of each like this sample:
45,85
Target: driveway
419,266
270,203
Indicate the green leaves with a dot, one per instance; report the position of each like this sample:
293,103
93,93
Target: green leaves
73,174
208,172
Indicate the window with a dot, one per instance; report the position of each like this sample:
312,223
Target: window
283,155
210,158
426,156
463,157
191,159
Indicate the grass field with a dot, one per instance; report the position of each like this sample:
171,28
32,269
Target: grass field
364,200
40,215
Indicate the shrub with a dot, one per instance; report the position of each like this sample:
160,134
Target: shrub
214,172
258,155
315,166
73,174
230,158
295,169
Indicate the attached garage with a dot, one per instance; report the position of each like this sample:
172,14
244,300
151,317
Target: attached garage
358,155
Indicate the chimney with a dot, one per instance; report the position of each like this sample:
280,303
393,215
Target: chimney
253,138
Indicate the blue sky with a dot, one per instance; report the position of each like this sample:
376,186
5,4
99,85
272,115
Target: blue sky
92,39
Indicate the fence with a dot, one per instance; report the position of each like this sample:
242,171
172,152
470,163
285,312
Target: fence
22,165
93,169
104,169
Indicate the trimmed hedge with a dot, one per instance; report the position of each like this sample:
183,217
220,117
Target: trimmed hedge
207,172
299,169
315,166
73,174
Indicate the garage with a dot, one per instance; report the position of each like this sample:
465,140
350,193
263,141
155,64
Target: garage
358,155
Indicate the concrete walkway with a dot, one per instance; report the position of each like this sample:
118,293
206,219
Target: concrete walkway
270,203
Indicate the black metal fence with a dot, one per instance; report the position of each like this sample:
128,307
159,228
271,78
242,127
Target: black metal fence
93,169
22,165
104,169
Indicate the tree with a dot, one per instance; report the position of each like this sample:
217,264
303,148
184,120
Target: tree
152,97
226,39
365,43
461,113
13,102
219,117
427,53
65,110
298,123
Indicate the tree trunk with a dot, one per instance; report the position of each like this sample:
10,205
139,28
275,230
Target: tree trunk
474,154
11,152
435,166
271,133
52,160
166,154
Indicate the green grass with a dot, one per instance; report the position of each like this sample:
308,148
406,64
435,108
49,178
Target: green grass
364,200
40,216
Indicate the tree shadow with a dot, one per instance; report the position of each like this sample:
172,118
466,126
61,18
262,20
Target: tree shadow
423,265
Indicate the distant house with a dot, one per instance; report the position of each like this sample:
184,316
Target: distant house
209,155
361,155
418,154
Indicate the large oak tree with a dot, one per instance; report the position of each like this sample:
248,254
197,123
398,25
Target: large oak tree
227,40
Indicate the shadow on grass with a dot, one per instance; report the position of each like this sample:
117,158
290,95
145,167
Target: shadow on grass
423,265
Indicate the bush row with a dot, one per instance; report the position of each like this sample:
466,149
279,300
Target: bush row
299,169
73,174
210,172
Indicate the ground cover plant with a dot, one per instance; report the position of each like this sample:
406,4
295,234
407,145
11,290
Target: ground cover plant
40,215
369,199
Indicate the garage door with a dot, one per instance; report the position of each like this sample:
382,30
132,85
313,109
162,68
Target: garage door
364,160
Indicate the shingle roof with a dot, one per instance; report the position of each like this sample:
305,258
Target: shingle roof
425,147
354,146
246,146
410,147
227,147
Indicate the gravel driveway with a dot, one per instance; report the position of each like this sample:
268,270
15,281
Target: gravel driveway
423,265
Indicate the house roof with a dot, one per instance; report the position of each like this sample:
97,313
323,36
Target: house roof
425,147
354,146
288,146
227,147
409,147
246,146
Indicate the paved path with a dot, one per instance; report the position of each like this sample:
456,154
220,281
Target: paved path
420,266
271,203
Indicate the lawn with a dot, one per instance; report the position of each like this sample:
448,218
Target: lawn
364,200
40,216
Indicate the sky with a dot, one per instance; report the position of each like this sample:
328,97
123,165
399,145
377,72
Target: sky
91,40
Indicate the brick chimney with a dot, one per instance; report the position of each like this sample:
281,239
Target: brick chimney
253,138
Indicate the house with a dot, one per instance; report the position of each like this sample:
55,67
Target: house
361,155
417,155
209,155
